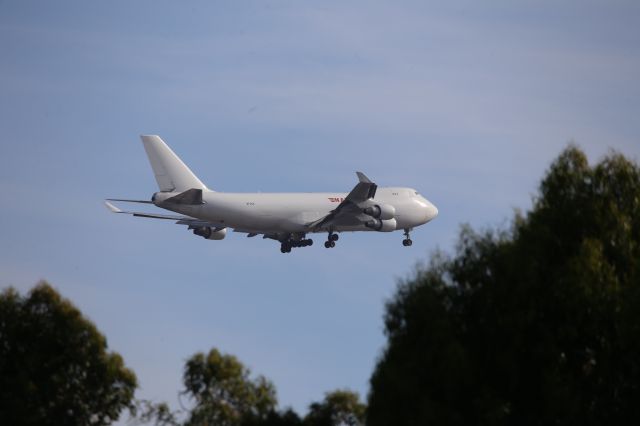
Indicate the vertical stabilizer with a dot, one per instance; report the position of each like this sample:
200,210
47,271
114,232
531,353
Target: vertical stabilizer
171,173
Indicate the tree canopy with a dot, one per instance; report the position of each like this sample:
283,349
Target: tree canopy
54,364
536,324
340,407
223,392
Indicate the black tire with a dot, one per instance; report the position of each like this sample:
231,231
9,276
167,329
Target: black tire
327,244
332,244
335,237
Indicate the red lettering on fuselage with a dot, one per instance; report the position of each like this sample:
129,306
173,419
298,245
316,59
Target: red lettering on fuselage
336,199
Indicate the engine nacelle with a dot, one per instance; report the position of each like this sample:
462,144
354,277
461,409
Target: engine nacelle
381,225
210,234
380,211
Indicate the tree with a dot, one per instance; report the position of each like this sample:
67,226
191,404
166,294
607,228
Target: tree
340,407
223,393
54,364
274,418
537,324
148,412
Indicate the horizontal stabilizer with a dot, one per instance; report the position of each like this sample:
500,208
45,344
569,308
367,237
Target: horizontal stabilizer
111,207
130,201
190,197
180,220
157,216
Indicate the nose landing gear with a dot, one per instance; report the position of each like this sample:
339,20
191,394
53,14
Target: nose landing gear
407,241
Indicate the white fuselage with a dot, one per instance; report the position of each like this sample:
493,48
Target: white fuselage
293,212
285,217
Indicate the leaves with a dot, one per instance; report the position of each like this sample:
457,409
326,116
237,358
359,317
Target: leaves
54,364
536,324
340,407
223,392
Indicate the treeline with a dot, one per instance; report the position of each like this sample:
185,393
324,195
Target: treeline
535,324
55,369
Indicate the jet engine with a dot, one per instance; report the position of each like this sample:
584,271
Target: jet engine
381,225
209,233
380,211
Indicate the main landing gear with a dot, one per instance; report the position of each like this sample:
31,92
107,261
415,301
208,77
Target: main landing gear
331,240
287,245
407,241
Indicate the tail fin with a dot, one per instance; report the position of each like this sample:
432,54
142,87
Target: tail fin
171,173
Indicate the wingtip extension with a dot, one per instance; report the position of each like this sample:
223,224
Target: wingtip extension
363,178
112,208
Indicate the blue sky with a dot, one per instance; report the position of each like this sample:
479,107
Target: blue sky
466,101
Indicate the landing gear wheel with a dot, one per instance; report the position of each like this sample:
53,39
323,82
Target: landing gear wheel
309,242
285,248
331,240
407,241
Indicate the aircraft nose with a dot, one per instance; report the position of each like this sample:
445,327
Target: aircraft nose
432,211
428,210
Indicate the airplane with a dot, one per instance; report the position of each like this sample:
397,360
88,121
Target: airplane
284,217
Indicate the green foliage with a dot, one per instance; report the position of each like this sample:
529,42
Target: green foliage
223,393
340,407
54,364
159,414
539,324
275,418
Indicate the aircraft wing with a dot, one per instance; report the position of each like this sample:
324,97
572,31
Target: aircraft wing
348,210
180,219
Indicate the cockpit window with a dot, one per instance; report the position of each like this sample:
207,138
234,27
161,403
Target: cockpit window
416,192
